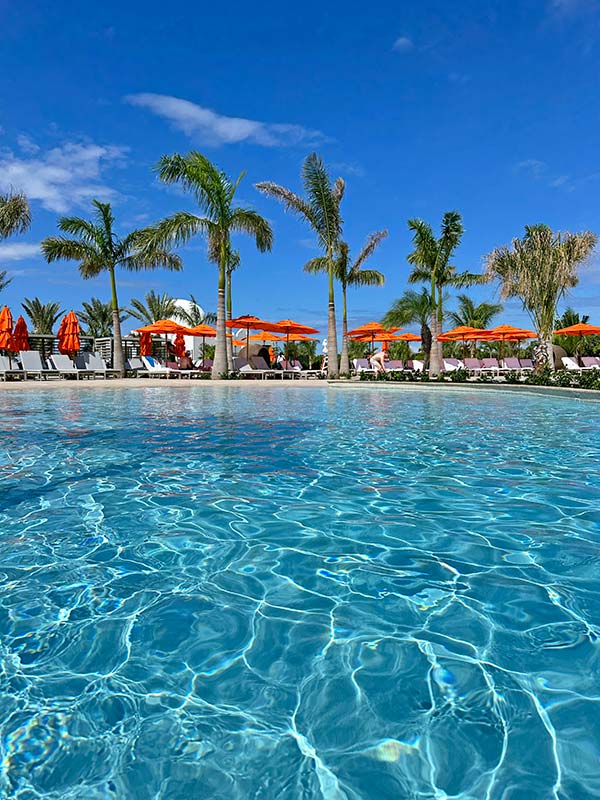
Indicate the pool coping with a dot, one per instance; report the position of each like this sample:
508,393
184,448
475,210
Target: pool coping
588,395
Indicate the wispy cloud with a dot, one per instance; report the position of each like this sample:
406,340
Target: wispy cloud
18,251
349,168
540,171
403,44
63,177
211,128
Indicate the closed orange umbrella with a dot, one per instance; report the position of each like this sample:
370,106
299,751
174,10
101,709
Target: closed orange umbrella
21,335
145,344
68,334
179,345
6,330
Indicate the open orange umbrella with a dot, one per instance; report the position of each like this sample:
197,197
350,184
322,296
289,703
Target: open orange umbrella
580,329
370,332
21,335
206,332
407,337
266,337
68,335
165,326
251,323
6,330
145,344
289,327
504,333
463,333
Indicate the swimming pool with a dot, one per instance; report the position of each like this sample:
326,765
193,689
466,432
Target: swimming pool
316,593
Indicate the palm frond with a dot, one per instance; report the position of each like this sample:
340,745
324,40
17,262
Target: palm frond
176,229
244,220
291,201
59,248
15,214
366,277
372,243
315,265
4,280
152,259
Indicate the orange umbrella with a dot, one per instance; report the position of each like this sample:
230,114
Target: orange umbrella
370,331
165,326
408,337
6,334
251,323
68,334
505,333
580,329
266,337
462,333
145,344
288,326
179,345
21,335
205,331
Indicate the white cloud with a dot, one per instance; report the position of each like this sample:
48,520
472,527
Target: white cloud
403,44
540,171
349,168
27,145
63,177
18,251
208,127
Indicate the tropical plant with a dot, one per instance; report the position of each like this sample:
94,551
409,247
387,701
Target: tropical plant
431,264
413,308
320,208
42,316
154,307
98,249
97,319
195,315
473,316
540,269
350,273
214,192
4,280
15,215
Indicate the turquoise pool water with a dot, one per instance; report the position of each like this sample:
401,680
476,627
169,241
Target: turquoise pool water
348,595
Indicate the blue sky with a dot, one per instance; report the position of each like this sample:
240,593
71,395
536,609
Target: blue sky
490,108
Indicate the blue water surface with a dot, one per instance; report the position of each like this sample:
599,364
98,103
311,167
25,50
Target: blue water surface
211,592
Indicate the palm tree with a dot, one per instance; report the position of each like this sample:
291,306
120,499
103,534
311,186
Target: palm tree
97,318
431,264
195,315
540,269
4,281
42,316
98,249
414,307
15,216
350,273
473,316
321,209
233,263
155,307
214,192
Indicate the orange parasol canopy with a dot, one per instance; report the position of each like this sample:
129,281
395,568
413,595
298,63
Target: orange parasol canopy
68,334
384,336
370,329
179,345
145,344
580,329
407,337
300,337
164,326
289,326
21,335
462,334
6,335
508,332
251,323
266,337
203,330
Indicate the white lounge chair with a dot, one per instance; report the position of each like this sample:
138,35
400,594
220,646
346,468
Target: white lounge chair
7,369
158,370
66,368
452,364
570,364
362,365
90,361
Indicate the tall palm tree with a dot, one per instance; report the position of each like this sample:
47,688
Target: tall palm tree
431,264
320,208
414,308
97,318
233,263
98,249
195,315
540,269
474,316
42,316
15,215
4,281
154,307
350,273
214,192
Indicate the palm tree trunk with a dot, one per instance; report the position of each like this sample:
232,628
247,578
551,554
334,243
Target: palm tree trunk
426,344
345,362
435,363
220,362
118,354
332,351
229,341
